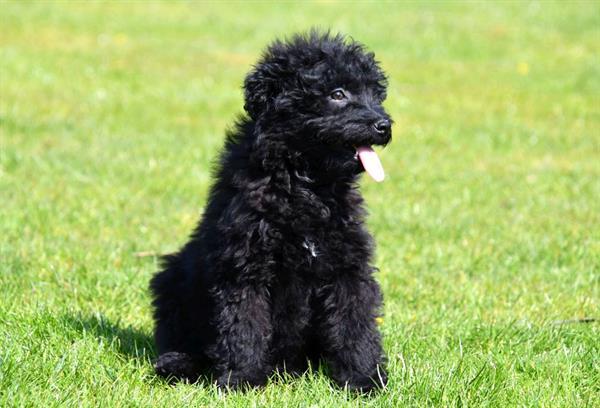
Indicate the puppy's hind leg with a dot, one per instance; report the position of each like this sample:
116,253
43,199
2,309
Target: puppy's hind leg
171,332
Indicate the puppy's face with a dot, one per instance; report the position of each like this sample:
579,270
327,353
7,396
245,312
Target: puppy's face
324,95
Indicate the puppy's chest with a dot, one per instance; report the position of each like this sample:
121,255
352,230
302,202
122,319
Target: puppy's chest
322,255
316,245
311,252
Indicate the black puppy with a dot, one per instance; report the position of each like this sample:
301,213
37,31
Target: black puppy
278,271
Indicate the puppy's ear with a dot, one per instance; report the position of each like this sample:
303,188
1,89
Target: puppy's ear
262,85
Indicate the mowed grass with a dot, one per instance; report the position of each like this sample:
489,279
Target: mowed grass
488,224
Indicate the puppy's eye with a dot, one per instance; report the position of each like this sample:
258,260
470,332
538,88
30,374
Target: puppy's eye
338,95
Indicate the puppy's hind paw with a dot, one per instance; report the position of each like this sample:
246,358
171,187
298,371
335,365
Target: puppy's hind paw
176,365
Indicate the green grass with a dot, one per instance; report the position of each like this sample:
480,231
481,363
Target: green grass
488,225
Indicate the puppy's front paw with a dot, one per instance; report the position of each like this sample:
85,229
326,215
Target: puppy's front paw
239,381
365,384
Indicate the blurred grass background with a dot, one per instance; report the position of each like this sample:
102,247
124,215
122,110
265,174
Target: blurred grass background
488,224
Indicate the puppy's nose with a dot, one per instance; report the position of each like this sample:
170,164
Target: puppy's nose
382,126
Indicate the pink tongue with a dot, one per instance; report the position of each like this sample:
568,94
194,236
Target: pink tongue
371,162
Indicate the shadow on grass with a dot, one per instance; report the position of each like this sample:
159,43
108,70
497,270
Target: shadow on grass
128,341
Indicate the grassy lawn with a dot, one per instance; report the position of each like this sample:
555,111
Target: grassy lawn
488,224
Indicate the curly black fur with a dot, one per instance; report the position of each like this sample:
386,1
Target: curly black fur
278,273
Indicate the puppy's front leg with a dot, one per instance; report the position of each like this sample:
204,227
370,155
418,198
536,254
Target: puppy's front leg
349,332
244,335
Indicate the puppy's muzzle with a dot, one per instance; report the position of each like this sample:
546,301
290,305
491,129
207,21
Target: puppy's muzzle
383,131
382,126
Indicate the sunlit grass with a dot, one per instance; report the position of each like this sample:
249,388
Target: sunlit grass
488,223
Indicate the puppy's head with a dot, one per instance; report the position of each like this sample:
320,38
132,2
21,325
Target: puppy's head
323,94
